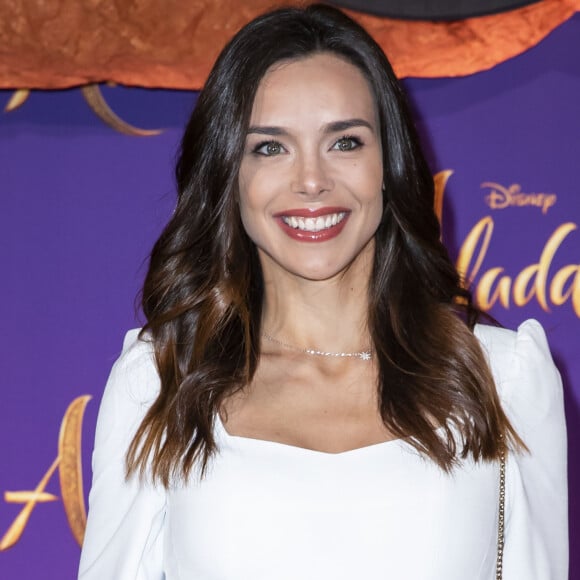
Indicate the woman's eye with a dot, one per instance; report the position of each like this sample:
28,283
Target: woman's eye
347,144
269,148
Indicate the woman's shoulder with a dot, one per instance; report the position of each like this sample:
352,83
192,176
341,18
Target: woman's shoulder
132,387
137,349
526,378
134,372
503,346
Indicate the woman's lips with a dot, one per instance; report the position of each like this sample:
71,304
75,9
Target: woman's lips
313,225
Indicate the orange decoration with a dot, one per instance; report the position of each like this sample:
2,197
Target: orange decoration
173,44
426,49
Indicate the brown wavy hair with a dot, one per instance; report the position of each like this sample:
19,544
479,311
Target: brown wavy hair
203,293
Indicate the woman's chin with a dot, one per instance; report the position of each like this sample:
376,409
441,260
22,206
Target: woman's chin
315,270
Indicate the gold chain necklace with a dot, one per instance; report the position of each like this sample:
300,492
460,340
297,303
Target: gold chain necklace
362,354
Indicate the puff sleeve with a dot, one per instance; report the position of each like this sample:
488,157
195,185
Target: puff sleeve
530,389
124,533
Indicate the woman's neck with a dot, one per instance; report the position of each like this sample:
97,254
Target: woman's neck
329,315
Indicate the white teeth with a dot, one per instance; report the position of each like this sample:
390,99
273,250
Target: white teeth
314,224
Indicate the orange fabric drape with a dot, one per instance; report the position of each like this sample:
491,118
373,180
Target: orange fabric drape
172,44
426,49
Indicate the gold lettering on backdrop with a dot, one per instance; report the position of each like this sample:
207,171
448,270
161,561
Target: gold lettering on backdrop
533,281
495,286
479,237
500,197
69,466
557,293
440,180
70,470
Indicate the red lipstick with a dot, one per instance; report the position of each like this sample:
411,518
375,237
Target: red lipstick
304,235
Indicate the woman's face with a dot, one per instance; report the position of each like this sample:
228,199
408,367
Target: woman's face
311,175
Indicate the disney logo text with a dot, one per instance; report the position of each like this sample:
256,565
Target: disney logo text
500,197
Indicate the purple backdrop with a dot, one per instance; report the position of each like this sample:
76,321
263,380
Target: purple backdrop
80,206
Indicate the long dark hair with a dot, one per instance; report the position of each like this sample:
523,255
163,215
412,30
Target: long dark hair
203,292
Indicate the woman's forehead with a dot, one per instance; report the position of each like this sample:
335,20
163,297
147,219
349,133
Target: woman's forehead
322,85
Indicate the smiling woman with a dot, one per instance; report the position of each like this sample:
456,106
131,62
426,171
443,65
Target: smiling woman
311,170
311,396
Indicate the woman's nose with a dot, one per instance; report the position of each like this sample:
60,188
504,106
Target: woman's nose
311,176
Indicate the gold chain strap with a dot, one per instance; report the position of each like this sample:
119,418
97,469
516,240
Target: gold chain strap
501,516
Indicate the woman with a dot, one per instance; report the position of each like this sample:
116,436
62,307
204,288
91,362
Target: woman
310,397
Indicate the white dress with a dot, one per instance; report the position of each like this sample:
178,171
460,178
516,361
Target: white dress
270,511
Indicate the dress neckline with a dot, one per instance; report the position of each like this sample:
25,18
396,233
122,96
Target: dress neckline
240,439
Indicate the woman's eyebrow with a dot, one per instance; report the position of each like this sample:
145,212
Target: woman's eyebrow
333,127
264,130
338,126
